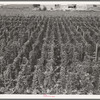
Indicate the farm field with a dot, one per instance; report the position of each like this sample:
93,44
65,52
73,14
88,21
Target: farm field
43,52
31,12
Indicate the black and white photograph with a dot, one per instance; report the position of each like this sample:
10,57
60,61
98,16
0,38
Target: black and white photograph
50,48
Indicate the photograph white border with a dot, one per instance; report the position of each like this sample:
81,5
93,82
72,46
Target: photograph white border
46,96
49,2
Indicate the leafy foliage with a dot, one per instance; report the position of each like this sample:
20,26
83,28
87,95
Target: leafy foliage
49,55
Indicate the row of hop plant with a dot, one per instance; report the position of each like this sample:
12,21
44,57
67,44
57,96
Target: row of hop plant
17,61
38,78
63,75
35,54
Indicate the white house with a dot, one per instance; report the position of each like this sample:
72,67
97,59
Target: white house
93,7
81,7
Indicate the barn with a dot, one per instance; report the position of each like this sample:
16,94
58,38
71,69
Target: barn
93,7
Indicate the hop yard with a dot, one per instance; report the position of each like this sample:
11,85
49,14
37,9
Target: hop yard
49,52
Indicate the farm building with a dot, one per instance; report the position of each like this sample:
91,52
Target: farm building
48,7
58,7
52,7
81,7
93,7
65,7
74,7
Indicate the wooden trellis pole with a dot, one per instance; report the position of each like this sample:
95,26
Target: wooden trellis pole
97,52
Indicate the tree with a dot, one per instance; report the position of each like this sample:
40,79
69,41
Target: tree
36,5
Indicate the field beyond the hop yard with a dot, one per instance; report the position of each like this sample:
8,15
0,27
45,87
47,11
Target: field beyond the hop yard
30,12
